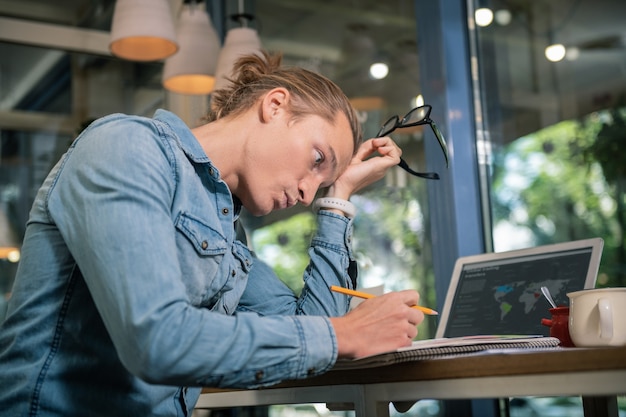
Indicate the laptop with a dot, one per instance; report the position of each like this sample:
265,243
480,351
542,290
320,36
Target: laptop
500,293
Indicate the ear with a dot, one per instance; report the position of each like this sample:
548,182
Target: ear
274,104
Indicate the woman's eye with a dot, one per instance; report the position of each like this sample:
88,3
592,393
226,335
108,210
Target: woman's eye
319,158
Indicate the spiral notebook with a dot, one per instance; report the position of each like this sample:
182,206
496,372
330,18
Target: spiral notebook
451,347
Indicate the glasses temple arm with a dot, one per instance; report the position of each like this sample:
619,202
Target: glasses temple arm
427,175
439,137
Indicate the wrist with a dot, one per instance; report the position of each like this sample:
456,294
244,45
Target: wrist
336,191
347,208
345,348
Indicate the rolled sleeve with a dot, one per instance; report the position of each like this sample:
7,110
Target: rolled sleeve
319,338
334,232
302,346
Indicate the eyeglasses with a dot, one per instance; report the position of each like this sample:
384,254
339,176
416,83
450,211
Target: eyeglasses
417,116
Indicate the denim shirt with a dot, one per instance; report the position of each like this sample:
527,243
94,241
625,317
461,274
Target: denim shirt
133,290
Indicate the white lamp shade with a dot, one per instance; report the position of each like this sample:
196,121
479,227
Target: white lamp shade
239,41
192,69
143,30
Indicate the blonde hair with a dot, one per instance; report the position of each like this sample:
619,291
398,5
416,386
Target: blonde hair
312,93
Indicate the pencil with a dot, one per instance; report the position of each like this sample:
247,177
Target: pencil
360,294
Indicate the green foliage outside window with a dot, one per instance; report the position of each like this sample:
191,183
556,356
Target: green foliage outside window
566,182
284,246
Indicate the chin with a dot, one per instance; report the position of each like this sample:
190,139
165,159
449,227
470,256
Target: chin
260,211
260,208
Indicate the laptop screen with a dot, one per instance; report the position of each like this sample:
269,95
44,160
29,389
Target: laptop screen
501,293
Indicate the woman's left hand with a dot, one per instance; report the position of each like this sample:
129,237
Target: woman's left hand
365,169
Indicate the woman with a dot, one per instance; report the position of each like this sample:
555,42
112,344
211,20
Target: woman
133,284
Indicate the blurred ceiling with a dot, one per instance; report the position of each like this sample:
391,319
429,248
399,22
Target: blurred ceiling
317,34
310,33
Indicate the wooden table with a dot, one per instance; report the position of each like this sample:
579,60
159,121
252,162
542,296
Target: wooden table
596,374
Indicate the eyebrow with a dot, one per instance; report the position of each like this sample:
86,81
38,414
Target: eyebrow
333,159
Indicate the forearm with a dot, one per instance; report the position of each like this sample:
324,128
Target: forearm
330,262
331,257
240,351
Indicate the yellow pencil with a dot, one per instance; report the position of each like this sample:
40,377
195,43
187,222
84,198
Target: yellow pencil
360,294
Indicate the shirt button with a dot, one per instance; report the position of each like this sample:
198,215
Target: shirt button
233,273
204,244
259,375
211,171
225,211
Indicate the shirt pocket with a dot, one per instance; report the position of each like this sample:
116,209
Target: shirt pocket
236,269
202,252
205,239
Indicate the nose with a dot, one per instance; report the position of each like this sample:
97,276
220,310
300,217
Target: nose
307,190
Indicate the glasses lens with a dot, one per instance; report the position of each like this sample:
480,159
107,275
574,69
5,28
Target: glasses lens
388,127
416,116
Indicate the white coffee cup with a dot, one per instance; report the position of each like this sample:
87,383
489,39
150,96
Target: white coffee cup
597,317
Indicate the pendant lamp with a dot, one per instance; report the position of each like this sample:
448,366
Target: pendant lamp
192,69
143,30
239,41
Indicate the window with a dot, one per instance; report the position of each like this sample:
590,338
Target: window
554,124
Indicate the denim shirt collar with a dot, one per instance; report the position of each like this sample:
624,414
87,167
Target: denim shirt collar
190,145
187,141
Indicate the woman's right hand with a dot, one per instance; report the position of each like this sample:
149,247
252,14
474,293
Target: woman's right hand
378,325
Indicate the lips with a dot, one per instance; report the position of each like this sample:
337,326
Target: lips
289,202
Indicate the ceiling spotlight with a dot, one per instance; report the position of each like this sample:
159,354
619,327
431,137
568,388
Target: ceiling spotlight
555,52
379,70
572,53
418,101
483,16
503,17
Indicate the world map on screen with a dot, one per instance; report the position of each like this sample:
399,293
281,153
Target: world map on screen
522,295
